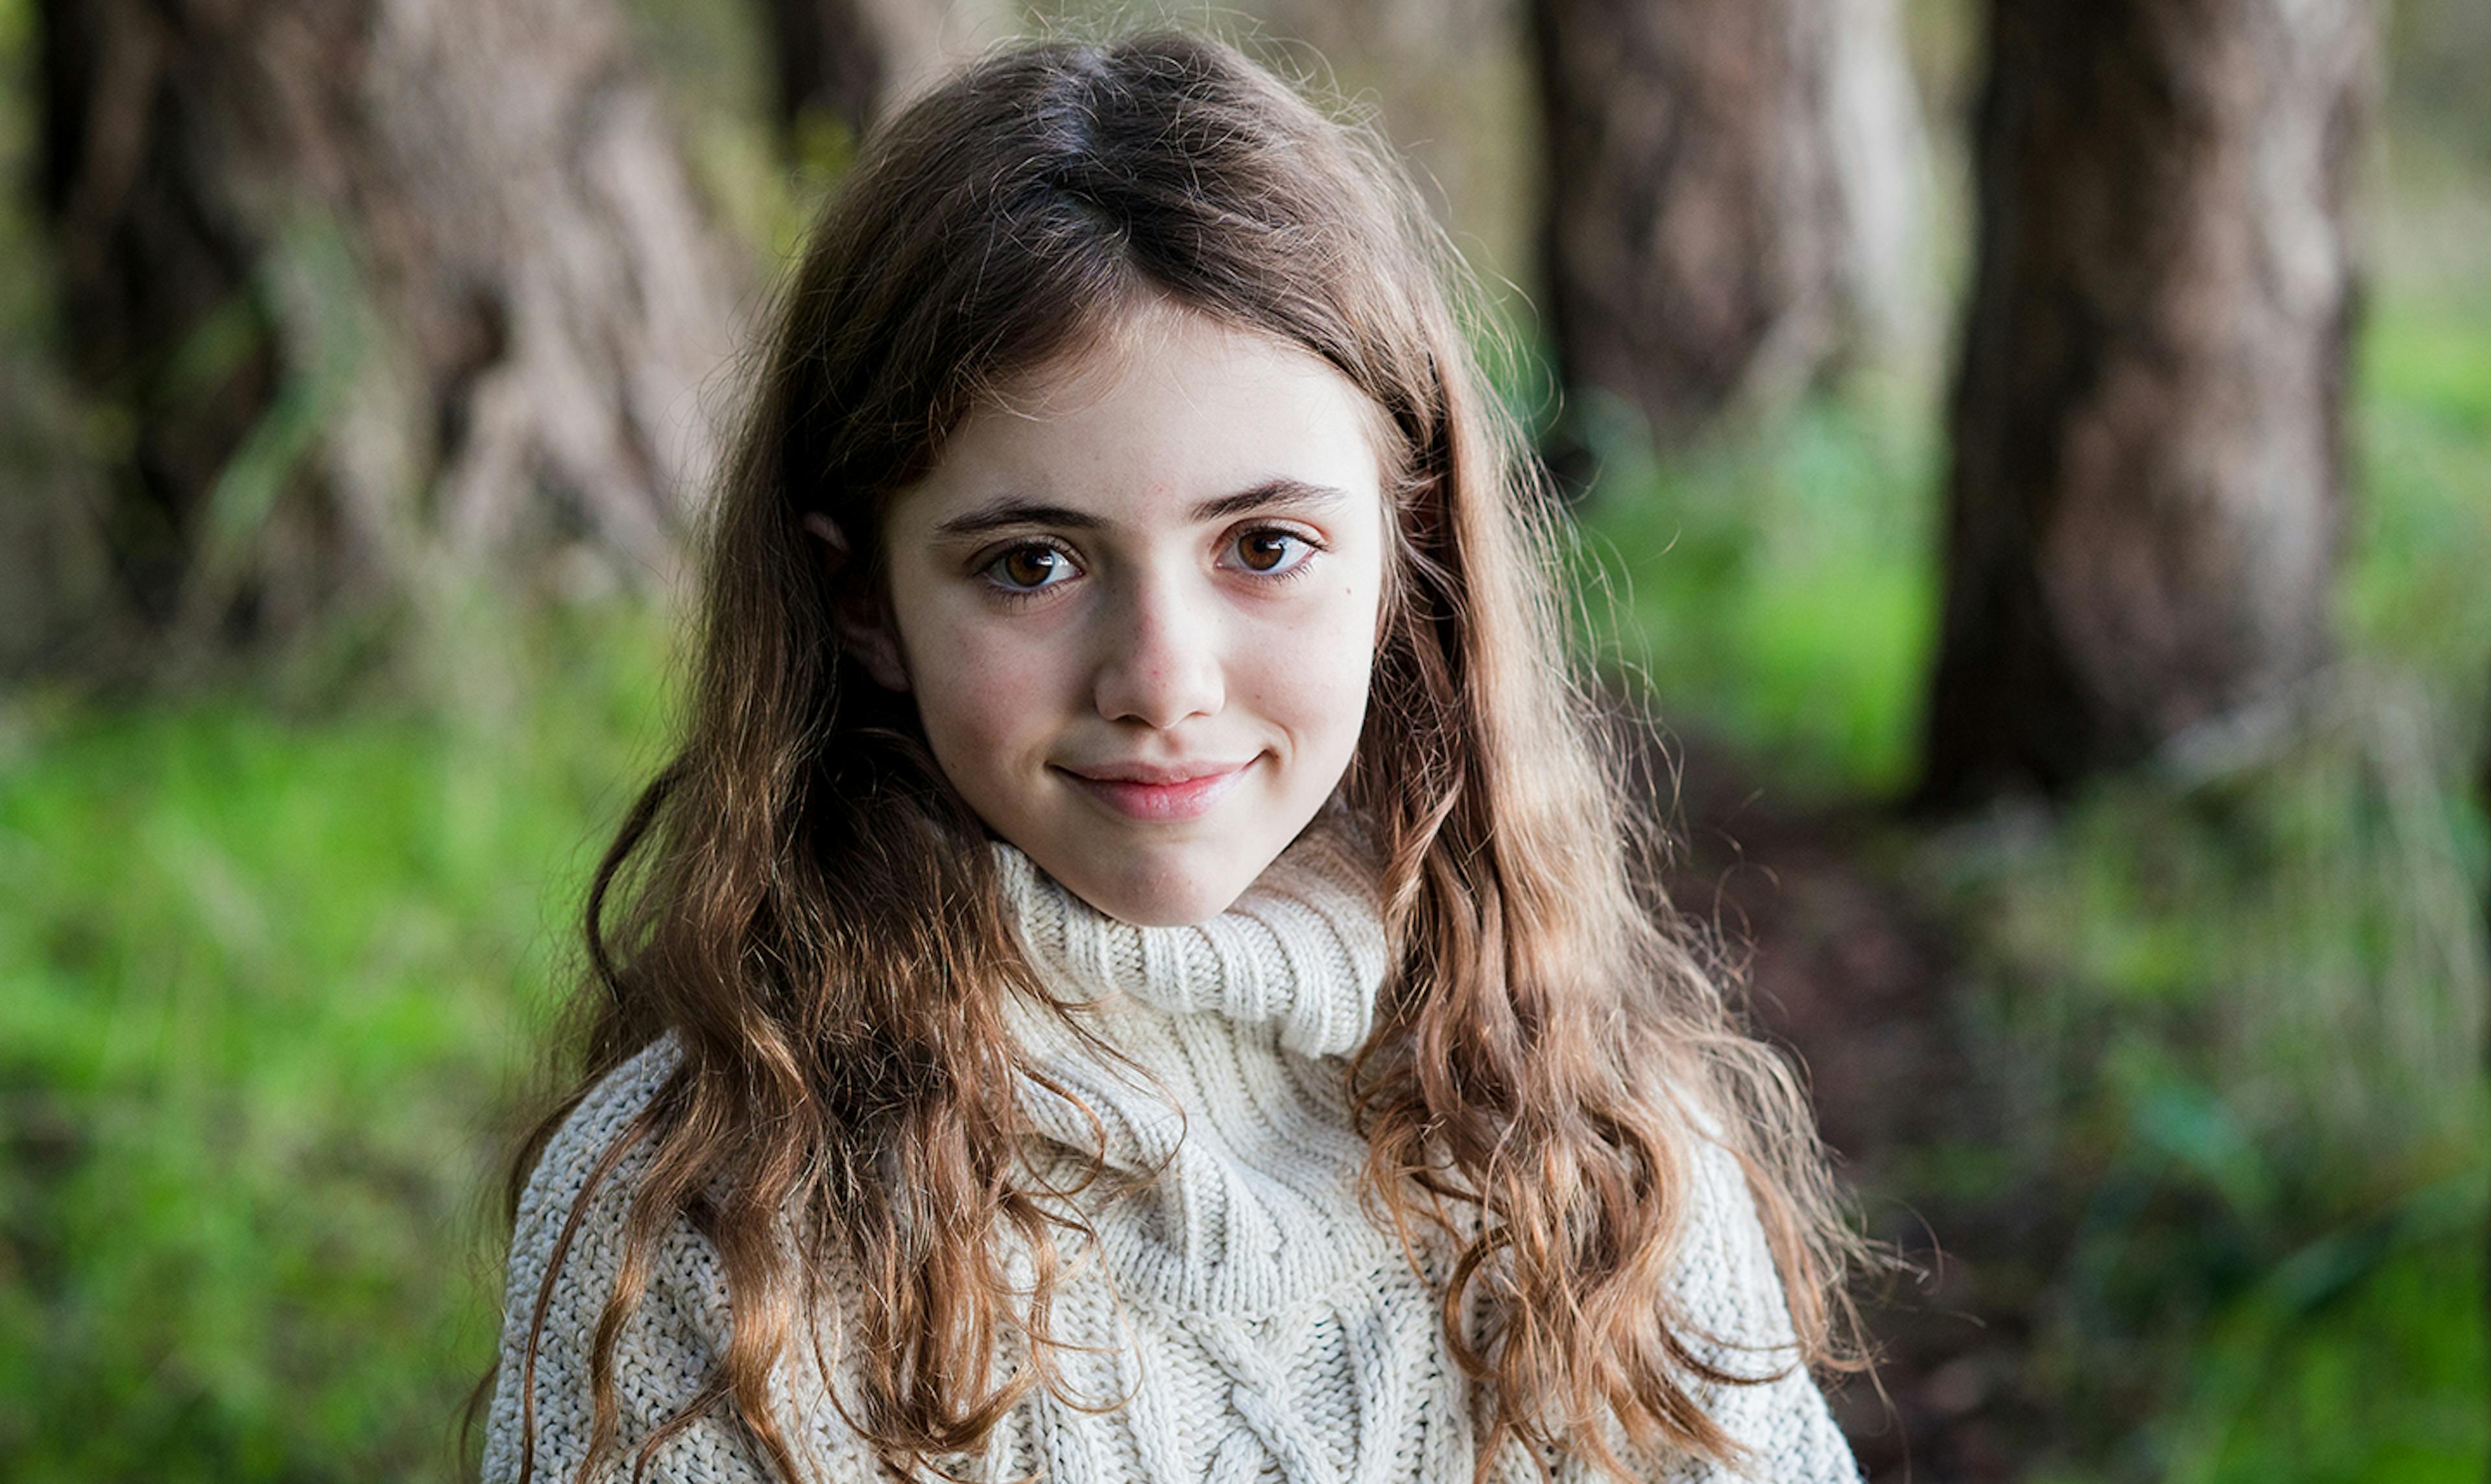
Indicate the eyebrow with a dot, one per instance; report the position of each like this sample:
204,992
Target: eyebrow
1283,491
1014,511
1017,510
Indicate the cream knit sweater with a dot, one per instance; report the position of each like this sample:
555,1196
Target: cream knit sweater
1259,1327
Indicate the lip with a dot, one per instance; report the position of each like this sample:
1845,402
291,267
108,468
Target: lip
1159,793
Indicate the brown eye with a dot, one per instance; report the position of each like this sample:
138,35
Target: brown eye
1269,551
1029,567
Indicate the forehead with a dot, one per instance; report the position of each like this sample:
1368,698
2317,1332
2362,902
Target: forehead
1169,406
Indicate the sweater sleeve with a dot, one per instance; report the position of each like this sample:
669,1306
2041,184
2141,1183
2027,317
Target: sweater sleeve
666,1349
1729,1288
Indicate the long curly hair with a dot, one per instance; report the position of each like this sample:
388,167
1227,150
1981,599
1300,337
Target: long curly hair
803,901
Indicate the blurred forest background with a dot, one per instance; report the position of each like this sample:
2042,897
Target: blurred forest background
2035,458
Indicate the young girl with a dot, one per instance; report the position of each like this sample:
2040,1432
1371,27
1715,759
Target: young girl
1137,972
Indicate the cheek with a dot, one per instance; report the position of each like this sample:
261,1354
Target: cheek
1312,679
986,702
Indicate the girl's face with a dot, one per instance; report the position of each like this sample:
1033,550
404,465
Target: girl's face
1139,608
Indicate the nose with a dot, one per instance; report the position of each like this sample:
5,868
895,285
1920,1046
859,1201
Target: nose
1159,659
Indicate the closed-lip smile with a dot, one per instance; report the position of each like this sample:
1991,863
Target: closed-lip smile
1156,792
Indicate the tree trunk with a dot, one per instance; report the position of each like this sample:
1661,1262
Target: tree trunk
849,59
1734,189
2147,421
368,280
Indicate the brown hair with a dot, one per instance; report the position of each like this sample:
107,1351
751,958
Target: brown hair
806,905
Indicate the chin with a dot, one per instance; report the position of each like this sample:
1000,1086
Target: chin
1175,896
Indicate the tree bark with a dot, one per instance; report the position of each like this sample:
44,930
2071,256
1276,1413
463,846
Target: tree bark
2148,417
851,60
1734,192
366,279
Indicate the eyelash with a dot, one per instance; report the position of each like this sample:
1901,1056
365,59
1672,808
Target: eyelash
1012,594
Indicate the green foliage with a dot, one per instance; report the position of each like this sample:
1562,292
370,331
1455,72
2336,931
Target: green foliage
2235,1022
1779,585
268,988
2420,533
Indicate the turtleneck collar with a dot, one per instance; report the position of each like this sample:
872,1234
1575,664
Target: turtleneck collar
1300,951
1231,1107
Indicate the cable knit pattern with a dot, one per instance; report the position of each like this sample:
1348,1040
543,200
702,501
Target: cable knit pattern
1256,1325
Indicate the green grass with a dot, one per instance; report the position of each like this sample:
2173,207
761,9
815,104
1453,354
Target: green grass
266,989
2378,1378
2236,1024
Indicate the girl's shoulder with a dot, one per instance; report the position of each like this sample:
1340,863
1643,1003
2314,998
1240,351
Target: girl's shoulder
599,1122
1728,1289
566,1256
616,1098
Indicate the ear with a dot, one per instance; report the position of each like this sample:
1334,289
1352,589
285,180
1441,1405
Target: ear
861,619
